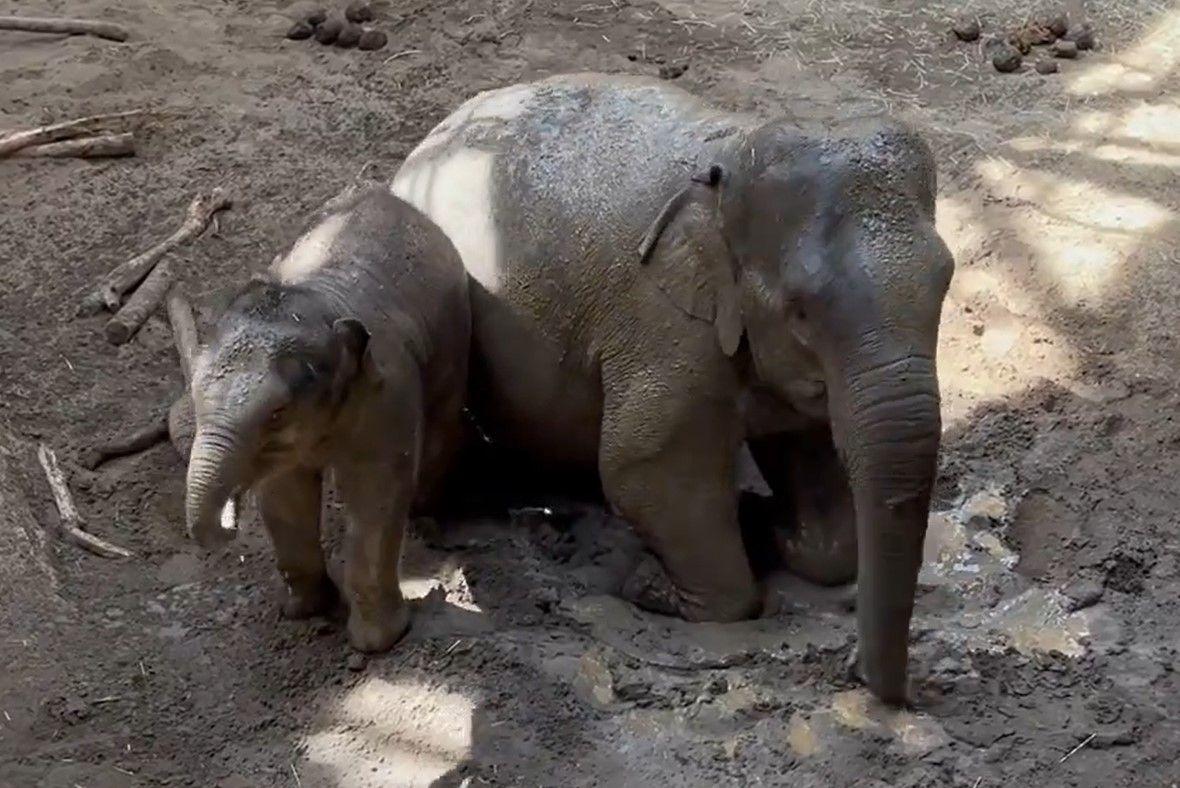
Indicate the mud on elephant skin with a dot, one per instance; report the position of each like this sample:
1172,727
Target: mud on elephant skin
656,282
349,354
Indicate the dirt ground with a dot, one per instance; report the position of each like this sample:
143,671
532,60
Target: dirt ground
1047,629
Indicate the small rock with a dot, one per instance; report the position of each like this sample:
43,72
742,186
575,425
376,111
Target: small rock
984,510
718,686
1046,67
328,31
949,666
672,71
1058,24
350,36
300,31
1006,58
966,29
356,662
1083,594
315,17
372,40
1065,49
358,11
728,750
1081,34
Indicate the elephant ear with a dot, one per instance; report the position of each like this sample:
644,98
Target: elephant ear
351,340
685,251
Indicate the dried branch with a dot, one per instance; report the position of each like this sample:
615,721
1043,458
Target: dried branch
110,291
72,27
134,443
71,520
42,135
104,146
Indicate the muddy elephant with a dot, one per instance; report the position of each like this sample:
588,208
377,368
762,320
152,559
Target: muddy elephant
656,282
349,354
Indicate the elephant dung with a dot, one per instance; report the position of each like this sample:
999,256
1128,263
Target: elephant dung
1065,49
966,29
328,31
1082,35
372,40
358,12
300,31
1006,58
349,36
1058,24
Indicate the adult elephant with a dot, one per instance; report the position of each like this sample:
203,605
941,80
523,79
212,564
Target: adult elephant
657,281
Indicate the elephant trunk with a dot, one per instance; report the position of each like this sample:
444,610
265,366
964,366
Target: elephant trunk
887,425
214,471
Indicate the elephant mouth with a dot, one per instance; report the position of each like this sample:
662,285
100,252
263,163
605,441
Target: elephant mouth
809,397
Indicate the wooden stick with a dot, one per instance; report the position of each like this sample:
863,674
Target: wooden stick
126,276
182,421
122,327
71,521
72,27
184,333
106,145
134,443
95,124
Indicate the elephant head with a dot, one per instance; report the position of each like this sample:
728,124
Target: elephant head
266,391
830,267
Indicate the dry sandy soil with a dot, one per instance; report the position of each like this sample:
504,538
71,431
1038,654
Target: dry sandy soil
1047,632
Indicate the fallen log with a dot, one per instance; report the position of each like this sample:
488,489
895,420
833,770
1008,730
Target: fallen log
42,135
122,327
71,27
141,440
104,146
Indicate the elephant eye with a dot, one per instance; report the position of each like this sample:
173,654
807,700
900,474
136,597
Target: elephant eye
278,413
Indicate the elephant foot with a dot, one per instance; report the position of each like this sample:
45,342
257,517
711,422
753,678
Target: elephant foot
377,630
649,588
317,598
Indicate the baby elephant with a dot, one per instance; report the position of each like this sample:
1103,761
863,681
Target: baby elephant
349,353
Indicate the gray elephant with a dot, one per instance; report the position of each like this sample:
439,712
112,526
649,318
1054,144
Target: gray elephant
349,354
656,282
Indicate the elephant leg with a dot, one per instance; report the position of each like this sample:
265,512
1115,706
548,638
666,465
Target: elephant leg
668,468
377,497
816,531
290,507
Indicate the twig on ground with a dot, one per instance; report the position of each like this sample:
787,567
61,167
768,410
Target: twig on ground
404,53
1085,741
95,124
142,440
71,520
73,27
106,145
110,291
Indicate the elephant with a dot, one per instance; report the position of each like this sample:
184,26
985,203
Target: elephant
656,283
348,354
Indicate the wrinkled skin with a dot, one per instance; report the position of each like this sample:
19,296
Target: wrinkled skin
349,354
656,282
